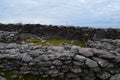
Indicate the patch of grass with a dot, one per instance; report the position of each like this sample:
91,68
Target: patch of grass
55,42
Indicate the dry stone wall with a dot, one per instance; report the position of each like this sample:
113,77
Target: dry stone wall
68,62
99,61
66,32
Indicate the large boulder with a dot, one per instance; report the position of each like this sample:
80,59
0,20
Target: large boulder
103,54
85,52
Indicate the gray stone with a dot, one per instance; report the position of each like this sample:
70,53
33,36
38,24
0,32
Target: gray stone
76,70
101,62
85,52
103,54
78,63
34,53
23,48
12,46
26,57
103,75
115,77
114,71
53,56
8,37
43,57
56,48
11,51
57,62
36,47
75,47
2,78
2,46
50,52
67,47
80,58
52,72
117,58
45,64
90,63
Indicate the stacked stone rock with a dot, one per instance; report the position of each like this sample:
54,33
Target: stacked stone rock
69,62
7,37
98,62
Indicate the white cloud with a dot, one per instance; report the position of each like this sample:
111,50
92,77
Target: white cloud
61,11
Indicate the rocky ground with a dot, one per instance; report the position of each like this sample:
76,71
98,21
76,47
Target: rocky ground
99,61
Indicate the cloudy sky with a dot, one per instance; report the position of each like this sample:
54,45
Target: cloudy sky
61,12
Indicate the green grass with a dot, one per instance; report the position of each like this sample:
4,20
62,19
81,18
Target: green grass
55,42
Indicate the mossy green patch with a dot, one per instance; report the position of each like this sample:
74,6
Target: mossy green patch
55,42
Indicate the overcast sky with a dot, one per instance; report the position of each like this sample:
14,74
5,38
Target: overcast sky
61,12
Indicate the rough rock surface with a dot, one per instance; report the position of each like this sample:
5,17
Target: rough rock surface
99,61
6,36
70,62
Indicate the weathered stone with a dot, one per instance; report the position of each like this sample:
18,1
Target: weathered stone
117,58
77,63
50,61
103,75
2,46
50,52
11,51
57,62
75,49
35,47
76,70
54,48
45,64
80,58
101,62
43,57
114,71
115,77
1,78
35,53
26,57
67,47
53,72
103,54
12,46
23,48
8,37
85,52
90,63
